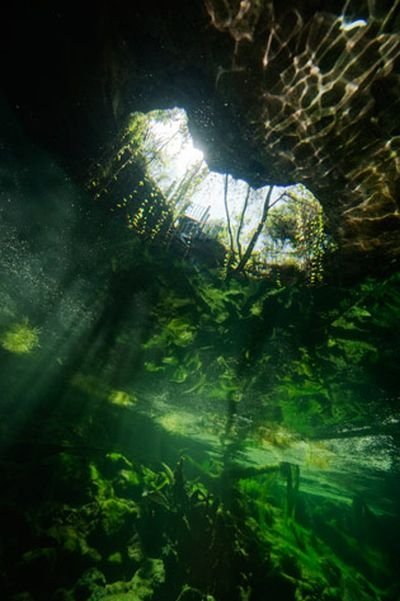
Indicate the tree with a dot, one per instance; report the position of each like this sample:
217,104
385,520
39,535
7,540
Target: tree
296,232
239,257
256,234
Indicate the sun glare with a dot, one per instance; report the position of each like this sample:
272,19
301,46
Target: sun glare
174,155
177,146
188,156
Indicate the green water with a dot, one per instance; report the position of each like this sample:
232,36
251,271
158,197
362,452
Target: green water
168,434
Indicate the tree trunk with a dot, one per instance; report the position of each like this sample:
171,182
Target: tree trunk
242,216
257,232
228,221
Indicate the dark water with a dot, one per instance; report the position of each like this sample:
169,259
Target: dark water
168,435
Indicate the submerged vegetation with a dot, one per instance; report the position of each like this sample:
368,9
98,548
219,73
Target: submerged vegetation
20,338
181,430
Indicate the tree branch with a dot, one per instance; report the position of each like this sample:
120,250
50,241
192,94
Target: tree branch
228,220
242,216
258,230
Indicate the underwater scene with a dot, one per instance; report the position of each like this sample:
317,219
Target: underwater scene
199,343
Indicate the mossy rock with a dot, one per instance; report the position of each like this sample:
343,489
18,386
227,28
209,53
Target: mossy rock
145,583
135,550
71,542
127,484
100,486
91,583
116,515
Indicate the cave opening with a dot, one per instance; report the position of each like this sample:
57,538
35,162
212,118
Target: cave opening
214,216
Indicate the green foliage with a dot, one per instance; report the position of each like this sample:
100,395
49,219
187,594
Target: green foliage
141,587
176,332
307,355
20,338
122,183
99,390
296,233
71,541
100,486
115,515
306,554
253,365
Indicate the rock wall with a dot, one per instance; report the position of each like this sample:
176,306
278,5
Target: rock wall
323,108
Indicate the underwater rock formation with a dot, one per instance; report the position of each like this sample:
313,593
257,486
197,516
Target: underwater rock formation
275,93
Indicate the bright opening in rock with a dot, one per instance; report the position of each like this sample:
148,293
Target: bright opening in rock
265,227
162,182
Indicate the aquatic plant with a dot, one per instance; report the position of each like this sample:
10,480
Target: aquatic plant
20,338
231,370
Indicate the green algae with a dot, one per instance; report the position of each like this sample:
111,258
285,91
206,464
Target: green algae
20,338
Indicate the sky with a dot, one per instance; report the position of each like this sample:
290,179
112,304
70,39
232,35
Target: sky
178,153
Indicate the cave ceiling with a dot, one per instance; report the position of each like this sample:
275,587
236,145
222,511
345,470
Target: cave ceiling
276,92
